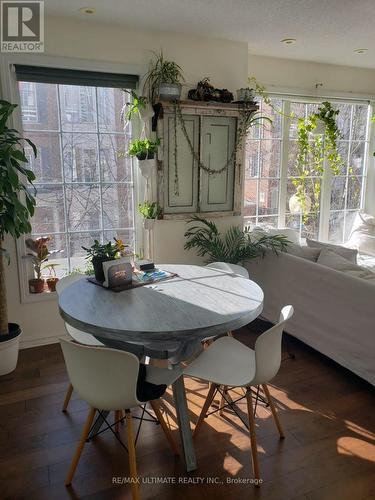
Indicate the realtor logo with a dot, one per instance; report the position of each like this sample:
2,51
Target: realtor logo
22,26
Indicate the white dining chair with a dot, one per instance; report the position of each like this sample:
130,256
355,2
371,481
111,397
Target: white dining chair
95,373
230,268
74,333
229,363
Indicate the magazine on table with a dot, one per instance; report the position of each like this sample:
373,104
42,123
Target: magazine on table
151,276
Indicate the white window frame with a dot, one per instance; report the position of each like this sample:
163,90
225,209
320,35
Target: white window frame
10,92
368,185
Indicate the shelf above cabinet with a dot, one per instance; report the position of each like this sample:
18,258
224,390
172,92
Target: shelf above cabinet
209,105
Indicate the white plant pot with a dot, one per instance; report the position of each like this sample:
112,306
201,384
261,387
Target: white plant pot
320,128
147,167
148,224
169,91
296,207
9,354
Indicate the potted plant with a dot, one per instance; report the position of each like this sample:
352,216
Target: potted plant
236,246
163,80
52,279
15,211
38,254
144,150
150,211
103,252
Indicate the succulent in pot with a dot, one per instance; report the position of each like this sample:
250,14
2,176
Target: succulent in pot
103,252
163,80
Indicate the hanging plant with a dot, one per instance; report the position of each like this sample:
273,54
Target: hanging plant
317,137
163,79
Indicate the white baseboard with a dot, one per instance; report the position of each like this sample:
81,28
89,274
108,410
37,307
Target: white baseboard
53,339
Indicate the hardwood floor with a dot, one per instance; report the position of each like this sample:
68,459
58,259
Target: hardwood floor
327,414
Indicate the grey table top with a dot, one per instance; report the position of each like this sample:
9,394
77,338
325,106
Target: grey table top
200,302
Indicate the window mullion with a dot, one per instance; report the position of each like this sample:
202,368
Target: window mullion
100,166
347,171
369,146
284,162
67,238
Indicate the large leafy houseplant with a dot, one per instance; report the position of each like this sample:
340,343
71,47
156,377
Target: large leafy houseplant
16,200
235,246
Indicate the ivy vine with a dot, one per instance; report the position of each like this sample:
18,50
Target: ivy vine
316,148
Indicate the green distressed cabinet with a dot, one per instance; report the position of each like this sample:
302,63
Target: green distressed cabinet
184,188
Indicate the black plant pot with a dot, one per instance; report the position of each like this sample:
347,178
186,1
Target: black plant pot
97,264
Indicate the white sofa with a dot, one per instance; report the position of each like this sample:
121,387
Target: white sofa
334,311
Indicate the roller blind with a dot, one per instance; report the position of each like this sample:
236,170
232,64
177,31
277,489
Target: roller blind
75,77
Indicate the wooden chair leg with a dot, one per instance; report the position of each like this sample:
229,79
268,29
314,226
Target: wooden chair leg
117,417
81,444
68,395
132,456
207,404
253,440
273,410
155,405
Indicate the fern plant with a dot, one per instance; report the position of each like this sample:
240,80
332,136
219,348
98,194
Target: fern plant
234,246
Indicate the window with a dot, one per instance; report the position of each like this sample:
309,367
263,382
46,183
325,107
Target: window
85,188
271,167
29,102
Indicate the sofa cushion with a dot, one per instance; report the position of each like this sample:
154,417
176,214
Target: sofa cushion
362,236
308,253
347,253
334,261
284,231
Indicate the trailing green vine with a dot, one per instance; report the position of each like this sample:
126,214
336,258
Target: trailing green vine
315,149
261,91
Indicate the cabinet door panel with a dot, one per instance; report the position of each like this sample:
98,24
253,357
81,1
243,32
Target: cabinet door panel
218,136
182,197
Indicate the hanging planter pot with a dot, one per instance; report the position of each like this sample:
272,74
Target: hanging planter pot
149,224
147,167
170,91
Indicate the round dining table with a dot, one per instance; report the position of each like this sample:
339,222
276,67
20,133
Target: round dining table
165,320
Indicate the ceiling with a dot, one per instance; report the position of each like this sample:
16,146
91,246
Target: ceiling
326,30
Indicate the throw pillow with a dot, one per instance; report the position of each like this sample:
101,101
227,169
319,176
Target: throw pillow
348,253
362,236
334,261
303,252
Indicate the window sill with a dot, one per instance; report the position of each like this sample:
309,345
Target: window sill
31,298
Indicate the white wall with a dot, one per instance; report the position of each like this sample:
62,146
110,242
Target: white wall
224,61
304,75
